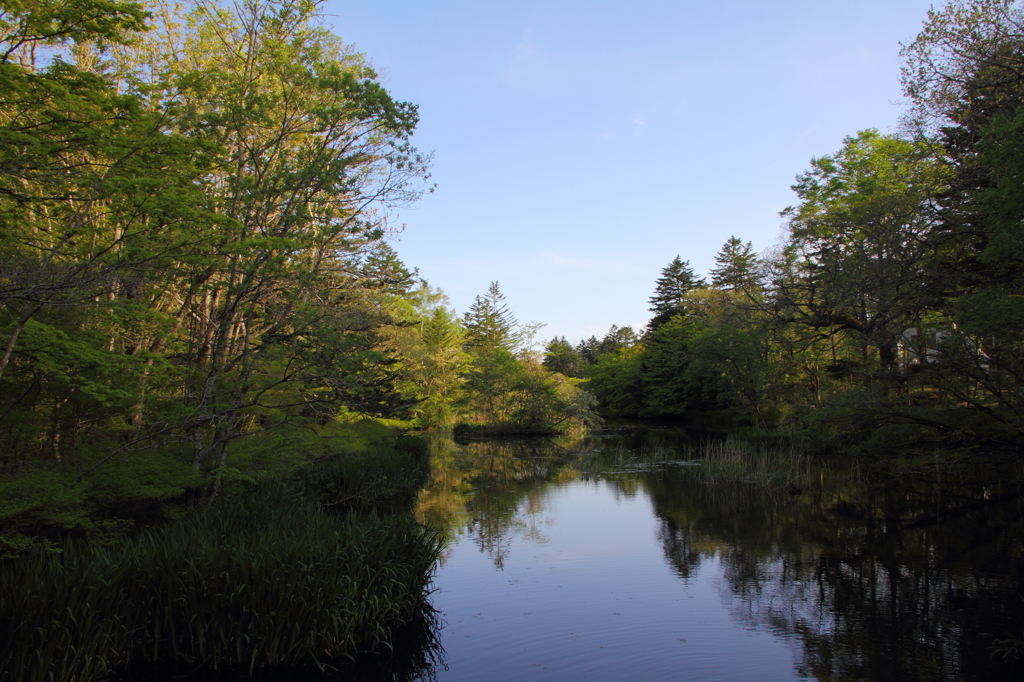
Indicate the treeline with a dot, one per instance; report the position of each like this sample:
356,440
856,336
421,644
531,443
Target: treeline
192,245
893,312
196,282
480,374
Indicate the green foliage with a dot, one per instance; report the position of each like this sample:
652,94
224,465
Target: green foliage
507,395
859,241
730,366
191,236
560,356
736,266
437,366
42,505
616,382
667,357
676,281
292,585
382,478
489,324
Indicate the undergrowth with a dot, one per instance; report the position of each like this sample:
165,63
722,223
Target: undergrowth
271,575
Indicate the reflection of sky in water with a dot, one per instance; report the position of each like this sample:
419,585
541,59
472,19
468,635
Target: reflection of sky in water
585,592
571,560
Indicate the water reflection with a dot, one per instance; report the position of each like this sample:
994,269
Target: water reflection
879,582
907,581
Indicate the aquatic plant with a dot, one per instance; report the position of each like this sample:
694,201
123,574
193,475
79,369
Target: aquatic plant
725,461
732,460
266,577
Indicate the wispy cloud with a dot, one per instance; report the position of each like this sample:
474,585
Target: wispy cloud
528,62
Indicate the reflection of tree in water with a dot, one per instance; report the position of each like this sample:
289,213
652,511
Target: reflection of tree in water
876,584
495,491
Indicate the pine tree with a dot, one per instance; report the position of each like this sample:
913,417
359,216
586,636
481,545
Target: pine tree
588,350
561,357
383,270
737,266
489,324
676,281
616,339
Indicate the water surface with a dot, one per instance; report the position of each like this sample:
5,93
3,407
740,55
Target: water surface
566,560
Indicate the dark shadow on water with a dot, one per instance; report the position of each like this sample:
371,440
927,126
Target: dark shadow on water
900,581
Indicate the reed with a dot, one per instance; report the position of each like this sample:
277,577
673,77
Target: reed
726,461
733,461
267,577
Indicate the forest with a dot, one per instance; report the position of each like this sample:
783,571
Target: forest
891,315
199,293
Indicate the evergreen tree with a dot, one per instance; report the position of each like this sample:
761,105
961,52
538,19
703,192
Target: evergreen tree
616,339
737,266
561,357
588,350
383,270
677,280
489,324
441,367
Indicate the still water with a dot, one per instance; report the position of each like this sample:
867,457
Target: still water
574,559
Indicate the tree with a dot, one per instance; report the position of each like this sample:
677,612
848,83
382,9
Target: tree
382,270
677,279
737,266
589,350
615,380
441,366
860,243
964,75
560,356
615,339
965,69
195,221
666,390
489,324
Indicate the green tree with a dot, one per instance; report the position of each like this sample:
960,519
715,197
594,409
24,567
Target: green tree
860,244
560,356
676,281
666,390
963,75
489,324
589,350
736,266
443,365
195,231
310,143
615,339
615,381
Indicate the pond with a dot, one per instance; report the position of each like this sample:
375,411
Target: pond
588,559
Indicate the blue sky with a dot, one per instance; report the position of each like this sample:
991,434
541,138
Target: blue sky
579,146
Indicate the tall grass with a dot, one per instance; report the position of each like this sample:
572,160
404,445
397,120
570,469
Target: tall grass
772,464
266,577
728,461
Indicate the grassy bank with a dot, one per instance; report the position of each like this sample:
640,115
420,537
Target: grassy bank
307,570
